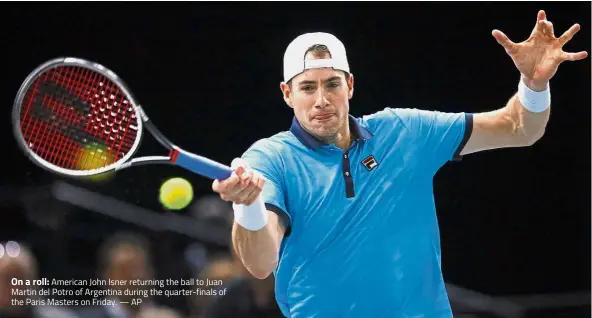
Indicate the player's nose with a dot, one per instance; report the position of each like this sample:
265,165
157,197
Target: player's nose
321,99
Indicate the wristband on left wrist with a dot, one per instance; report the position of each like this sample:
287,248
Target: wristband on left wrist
534,101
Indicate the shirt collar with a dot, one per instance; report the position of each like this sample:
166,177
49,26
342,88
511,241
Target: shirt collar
358,131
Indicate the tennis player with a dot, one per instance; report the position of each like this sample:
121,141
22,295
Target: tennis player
341,209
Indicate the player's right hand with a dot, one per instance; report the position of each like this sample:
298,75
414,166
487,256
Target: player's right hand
242,187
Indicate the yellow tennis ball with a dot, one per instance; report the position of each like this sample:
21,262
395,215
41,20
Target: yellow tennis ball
176,193
95,156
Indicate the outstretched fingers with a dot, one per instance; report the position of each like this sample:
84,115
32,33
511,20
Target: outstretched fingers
565,56
504,41
539,26
568,35
547,28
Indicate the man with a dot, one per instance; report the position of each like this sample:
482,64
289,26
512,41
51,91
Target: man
341,209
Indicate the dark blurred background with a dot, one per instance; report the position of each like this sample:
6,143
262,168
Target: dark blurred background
514,222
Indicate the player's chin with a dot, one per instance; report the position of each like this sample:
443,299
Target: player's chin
326,130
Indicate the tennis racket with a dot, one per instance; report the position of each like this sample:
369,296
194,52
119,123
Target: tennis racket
78,118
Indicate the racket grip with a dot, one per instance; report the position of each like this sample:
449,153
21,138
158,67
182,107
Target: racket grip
201,165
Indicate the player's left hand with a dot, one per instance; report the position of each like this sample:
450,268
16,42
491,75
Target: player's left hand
539,57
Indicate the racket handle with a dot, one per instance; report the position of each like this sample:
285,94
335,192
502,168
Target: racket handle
201,165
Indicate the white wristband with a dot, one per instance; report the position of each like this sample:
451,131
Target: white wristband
252,217
536,102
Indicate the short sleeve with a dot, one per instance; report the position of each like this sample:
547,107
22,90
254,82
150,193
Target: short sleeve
265,160
442,135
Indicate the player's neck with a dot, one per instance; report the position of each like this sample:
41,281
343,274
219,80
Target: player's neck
342,139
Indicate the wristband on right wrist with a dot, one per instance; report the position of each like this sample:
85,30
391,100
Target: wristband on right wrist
252,217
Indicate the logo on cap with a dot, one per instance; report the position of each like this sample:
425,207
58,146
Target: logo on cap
370,163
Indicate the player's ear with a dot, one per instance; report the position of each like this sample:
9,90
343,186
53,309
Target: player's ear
286,93
350,85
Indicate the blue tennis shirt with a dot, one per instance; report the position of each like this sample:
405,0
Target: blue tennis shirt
362,235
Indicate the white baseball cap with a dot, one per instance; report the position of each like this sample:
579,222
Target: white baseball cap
295,64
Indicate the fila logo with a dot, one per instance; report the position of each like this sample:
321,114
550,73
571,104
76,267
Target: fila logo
370,163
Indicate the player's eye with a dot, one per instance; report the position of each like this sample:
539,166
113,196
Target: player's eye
334,84
307,88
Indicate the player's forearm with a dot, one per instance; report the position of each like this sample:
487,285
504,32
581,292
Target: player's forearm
259,249
527,126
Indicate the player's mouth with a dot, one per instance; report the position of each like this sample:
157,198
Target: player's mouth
323,117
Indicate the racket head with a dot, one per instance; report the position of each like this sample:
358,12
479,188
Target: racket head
76,118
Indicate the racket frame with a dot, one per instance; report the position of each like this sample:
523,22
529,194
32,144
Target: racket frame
140,116
176,156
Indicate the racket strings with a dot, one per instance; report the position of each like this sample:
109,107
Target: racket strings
77,119
55,125
44,109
